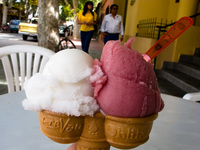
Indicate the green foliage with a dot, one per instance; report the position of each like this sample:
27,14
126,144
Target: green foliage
67,7
66,12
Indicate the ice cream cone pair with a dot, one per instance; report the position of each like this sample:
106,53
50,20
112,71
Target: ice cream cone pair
98,132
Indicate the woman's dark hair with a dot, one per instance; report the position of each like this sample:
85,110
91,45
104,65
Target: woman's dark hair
86,8
113,5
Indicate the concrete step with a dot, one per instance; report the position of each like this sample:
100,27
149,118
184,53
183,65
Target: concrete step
193,60
186,68
181,80
197,52
183,76
167,87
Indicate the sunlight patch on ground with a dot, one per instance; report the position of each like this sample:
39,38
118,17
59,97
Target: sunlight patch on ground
3,82
77,43
8,37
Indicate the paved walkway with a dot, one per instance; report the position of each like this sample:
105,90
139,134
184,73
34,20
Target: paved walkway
95,51
95,48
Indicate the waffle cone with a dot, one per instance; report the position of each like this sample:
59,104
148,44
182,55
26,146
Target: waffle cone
126,133
60,128
93,135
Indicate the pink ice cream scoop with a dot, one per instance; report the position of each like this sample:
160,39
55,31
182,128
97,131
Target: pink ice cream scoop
124,82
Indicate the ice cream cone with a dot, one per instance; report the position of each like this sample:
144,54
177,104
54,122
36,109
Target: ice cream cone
126,133
93,135
60,128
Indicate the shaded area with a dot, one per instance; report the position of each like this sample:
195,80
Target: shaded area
3,85
168,88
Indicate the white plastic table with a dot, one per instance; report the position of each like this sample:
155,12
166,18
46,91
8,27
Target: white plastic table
176,128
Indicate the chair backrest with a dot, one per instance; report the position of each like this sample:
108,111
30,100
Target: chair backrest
20,62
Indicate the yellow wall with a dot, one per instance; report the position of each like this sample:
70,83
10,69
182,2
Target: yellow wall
166,9
173,10
131,20
143,44
187,42
187,8
143,9
153,8
198,17
121,7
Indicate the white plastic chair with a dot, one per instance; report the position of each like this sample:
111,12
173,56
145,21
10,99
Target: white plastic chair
195,97
20,62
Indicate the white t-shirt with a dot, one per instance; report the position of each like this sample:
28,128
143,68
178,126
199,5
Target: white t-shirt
112,25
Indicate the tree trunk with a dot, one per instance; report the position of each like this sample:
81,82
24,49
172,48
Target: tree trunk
26,9
5,12
20,11
76,34
47,30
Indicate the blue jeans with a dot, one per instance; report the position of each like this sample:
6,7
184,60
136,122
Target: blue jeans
85,40
111,37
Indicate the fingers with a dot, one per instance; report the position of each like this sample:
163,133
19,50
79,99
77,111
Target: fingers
72,147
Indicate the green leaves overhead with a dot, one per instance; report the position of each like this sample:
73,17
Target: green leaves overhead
68,8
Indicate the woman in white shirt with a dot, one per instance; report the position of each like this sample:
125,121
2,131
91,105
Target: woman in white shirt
112,25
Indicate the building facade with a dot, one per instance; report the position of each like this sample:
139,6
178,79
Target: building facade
142,16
